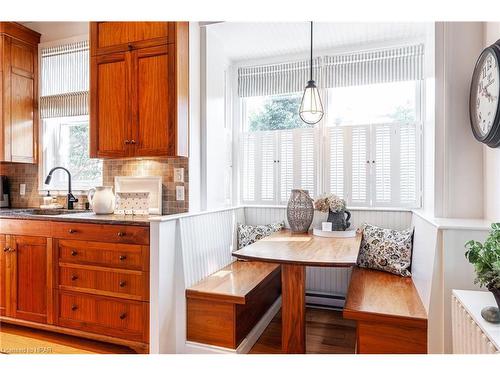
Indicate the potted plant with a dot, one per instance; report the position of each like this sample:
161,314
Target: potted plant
335,206
486,260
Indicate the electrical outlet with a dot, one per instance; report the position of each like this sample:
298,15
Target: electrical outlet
179,193
178,174
22,189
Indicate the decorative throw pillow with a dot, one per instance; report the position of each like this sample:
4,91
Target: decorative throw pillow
248,234
386,250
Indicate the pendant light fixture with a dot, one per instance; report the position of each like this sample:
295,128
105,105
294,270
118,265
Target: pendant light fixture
311,108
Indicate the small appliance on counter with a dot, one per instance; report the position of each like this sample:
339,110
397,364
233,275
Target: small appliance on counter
4,192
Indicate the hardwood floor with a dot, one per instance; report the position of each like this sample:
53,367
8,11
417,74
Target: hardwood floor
326,333
23,340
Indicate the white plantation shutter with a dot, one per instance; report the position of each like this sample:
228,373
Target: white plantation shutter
408,164
359,165
335,149
381,163
248,167
267,166
286,164
305,139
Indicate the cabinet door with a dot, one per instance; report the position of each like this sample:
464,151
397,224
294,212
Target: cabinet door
110,37
20,101
154,86
30,273
3,276
110,77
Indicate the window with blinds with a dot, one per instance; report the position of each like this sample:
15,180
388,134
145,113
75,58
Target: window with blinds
64,110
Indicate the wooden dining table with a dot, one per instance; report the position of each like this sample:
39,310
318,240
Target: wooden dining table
294,252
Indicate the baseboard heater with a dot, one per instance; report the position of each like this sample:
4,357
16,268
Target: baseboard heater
325,300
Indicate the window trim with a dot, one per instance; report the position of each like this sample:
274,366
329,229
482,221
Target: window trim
42,188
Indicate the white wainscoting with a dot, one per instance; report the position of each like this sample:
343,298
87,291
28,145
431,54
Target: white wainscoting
330,280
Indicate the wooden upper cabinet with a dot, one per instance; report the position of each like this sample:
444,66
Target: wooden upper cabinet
110,103
19,93
139,95
109,37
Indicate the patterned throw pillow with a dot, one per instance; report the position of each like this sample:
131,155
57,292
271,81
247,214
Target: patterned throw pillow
386,250
248,234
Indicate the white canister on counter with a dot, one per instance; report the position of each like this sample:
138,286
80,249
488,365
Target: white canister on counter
102,200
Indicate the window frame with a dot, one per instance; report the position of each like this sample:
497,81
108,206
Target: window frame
322,172
42,188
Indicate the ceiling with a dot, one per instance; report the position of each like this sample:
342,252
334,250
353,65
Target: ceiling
254,40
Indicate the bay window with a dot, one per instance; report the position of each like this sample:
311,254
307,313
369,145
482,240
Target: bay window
367,147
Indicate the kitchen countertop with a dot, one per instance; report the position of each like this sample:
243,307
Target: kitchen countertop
77,216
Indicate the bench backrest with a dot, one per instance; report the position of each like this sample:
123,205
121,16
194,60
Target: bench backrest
207,242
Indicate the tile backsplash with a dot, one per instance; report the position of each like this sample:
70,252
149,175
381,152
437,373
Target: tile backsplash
28,174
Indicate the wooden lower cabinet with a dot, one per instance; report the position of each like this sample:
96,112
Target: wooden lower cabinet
3,277
96,290
29,278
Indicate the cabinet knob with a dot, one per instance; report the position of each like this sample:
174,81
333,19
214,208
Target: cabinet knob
74,253
127,142
74,277
71,231
132,141
123,257
122,284
121,234
130,46
74,307
123,316
6,249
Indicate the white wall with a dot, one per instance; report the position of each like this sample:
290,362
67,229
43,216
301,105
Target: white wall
194,119
491,156
216,131
458,156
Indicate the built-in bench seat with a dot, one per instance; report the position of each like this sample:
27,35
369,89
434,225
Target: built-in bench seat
389,313
224,307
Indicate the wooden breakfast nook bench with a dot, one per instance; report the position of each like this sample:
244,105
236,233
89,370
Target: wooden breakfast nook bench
391,318
224,307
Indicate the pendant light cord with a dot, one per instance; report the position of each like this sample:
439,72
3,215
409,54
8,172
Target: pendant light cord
311,50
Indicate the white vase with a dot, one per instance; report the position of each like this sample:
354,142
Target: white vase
102,200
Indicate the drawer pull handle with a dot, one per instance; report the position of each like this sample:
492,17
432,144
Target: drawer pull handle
74,307
123,257
123,316
7,250
74,253
74,277
122,284
121,234
71,231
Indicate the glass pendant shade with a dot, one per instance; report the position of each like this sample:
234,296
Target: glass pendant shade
311,108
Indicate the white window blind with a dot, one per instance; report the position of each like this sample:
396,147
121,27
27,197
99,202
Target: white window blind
64,80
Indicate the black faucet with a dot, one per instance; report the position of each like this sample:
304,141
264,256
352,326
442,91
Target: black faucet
71,197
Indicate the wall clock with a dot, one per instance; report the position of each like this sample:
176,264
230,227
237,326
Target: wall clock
484,97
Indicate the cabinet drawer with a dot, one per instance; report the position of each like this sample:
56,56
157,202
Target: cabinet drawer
135,257
110,37
105,281
102,233
108,316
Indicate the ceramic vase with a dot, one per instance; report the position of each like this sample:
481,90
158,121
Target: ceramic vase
300,211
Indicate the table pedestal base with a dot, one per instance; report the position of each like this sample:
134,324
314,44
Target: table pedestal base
293,310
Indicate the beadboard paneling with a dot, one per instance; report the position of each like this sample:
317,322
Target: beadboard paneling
207,243
322,279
